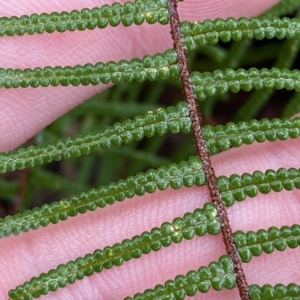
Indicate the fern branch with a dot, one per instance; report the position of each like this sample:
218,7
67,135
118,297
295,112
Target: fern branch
220,82
237,188
279,291
184,174
199,223
160,66
98,17
198,34
218,275
230,60
255,243
222,138
173,119
234,188
221,275
188,173
285,60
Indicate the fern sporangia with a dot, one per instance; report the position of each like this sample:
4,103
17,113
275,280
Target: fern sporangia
185,117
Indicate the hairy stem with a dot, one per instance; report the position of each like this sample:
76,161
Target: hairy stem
202,151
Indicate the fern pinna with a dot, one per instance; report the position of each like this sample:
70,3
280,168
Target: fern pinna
205,87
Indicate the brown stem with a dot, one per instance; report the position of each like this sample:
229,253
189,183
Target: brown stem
211,179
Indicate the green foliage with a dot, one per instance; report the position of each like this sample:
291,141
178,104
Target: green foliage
217,275
222,138
237,188
198,34
160,66
184,174
255,243
279,291
221,82
200,222
127,14
173,119
284,60
221,72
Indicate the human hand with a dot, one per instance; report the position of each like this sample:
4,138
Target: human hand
25,111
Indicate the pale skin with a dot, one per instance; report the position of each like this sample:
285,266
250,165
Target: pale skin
26,111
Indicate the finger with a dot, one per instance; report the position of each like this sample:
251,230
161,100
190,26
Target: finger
23,112
38,251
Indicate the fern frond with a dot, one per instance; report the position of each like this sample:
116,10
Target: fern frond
220,275
220,82
198,34
173,119
223,137
200,222
217,275
220,138
210,219
237,188
255,243
279,291
230,60
285,60
160,66
98,17
184,174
